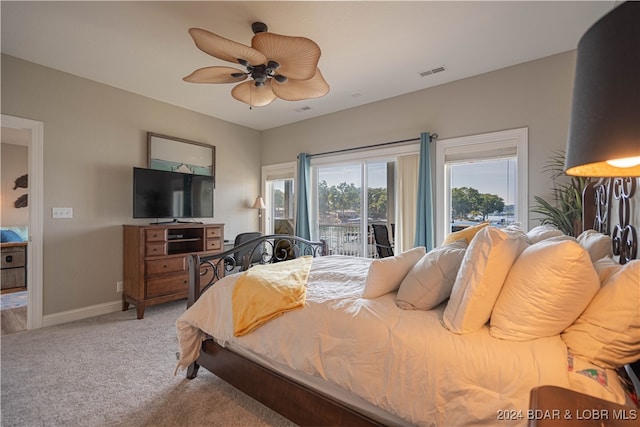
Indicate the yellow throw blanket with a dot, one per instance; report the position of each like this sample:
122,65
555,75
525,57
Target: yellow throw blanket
265,292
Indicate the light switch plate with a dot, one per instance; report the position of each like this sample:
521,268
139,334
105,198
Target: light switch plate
61,212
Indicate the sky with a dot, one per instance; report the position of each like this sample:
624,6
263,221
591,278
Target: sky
493,177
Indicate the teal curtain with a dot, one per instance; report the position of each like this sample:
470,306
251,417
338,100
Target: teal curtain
424,215
303,223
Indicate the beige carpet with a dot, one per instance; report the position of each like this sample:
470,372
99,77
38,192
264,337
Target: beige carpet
114,370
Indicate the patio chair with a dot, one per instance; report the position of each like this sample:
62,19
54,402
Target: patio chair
381,238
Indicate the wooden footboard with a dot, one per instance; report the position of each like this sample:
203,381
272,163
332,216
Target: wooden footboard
298,403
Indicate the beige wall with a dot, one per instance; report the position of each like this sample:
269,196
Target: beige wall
536,95
93,136
14,164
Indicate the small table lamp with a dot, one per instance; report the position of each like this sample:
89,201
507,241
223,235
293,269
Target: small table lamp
259,204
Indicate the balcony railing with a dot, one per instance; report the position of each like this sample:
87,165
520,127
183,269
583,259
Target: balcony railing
346,239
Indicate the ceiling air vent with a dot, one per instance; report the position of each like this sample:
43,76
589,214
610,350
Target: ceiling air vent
433,71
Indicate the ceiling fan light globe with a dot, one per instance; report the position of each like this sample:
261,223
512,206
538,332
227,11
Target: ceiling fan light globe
280,78
273,65
254,96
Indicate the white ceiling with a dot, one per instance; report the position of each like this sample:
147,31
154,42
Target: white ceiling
371,50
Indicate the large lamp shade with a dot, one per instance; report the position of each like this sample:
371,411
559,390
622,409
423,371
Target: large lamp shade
604,134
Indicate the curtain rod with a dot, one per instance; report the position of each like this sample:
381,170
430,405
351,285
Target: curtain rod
433,136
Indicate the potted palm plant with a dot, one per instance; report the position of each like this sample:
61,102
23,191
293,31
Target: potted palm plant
564,211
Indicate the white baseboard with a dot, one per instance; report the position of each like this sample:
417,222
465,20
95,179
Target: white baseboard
81,313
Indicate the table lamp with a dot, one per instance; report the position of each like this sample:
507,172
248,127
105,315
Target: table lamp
259,204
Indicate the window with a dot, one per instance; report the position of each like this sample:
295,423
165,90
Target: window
279,196
481,178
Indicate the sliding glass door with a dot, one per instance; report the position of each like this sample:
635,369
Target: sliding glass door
349,199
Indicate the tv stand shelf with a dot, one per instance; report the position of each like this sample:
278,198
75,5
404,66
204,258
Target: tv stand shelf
155,260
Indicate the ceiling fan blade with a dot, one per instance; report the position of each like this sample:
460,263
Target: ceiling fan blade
298,56
255,96
297,90
215,75
225,49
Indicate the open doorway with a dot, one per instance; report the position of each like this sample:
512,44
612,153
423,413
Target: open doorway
26,133
14,226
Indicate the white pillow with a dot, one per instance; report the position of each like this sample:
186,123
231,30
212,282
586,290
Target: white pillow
386,274
549,285
605,267
608,332
597,244
484,267
542,232
429,282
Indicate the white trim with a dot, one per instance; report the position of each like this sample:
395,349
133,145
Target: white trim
36,210
493,140
81,313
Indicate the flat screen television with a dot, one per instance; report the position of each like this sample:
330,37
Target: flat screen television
162,194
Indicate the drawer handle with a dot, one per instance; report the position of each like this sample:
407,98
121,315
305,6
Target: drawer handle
8,258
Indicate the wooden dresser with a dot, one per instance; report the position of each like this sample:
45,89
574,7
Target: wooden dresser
155,260
14,265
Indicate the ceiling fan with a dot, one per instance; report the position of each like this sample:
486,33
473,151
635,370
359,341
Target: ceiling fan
280,66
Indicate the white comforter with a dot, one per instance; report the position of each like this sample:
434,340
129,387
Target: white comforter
404,362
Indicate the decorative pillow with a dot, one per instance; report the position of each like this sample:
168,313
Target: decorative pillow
608,332
605,267
386,274
542,232
429,282
484,267
549,285
597,244
9,236
466,233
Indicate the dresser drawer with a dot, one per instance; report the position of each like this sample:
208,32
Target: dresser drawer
155,235
167,285
167,265
12,258
13,278
155,249
214,244
213,232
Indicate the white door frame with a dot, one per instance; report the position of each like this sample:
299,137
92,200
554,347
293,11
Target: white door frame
36,209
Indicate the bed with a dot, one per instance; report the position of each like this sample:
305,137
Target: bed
364,349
